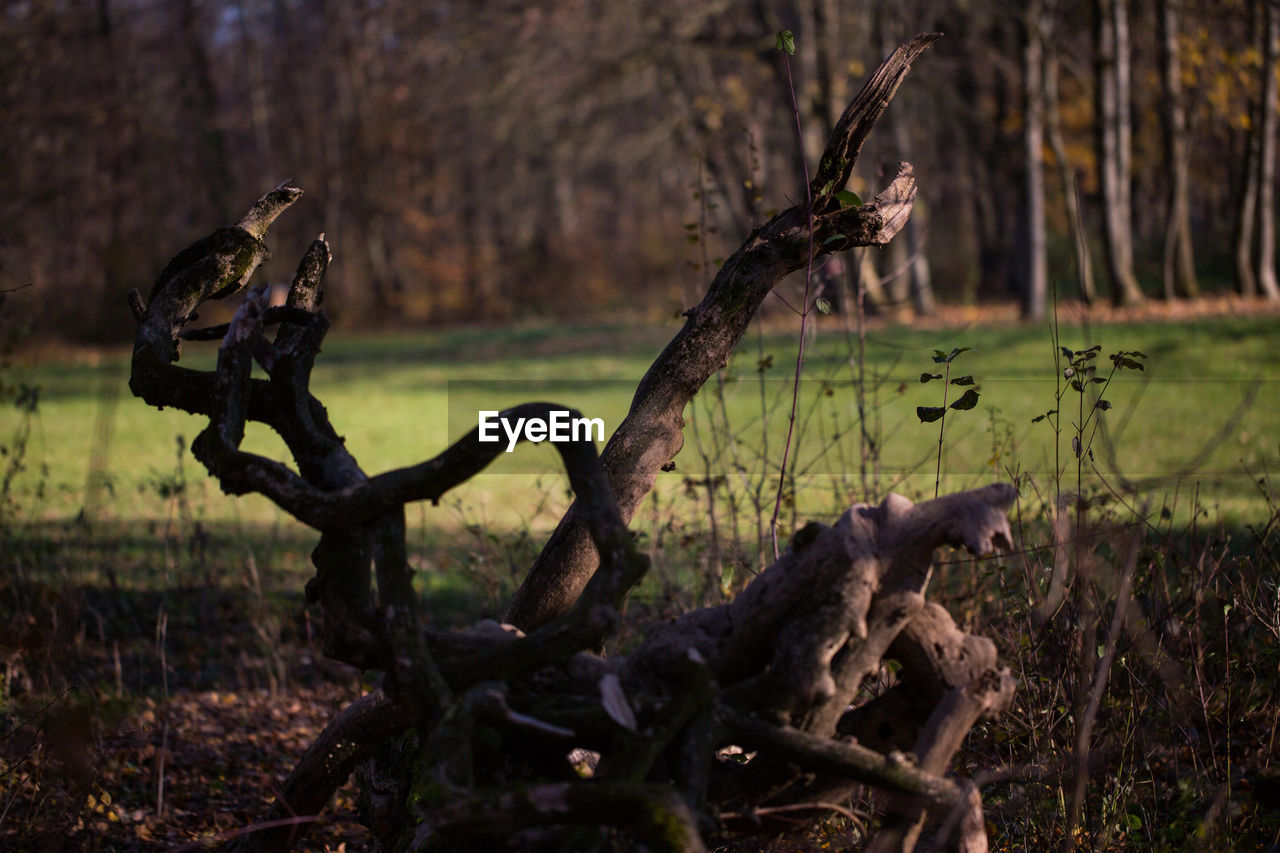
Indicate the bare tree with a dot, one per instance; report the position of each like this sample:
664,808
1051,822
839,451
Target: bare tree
1246,207
1066,173
1179,253
1267,153
1035,261
466,743
1114,140
910,278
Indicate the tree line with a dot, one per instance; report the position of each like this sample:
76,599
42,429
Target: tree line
486,160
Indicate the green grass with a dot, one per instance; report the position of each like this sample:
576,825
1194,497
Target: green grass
391,397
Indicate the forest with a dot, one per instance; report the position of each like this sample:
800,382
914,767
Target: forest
925,359
490,161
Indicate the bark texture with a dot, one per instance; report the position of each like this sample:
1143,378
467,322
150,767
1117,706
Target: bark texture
1035,262
1267,281
1114,132
651,435
1179,253
468,743
1066,173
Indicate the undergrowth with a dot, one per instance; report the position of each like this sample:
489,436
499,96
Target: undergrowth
1147,648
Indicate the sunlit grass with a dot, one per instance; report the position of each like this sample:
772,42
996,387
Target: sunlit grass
96,448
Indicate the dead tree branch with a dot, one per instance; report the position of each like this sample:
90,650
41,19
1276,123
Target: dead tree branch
652,433
468,739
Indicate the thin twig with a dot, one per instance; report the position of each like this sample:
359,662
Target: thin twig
207,842
857,818
804,312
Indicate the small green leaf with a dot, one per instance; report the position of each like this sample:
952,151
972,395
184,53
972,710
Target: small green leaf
928,377
929,414
962,380
1098,380
1076,386
764,364
968,401
1102,405
786,42
955,352
1123,359
823,305
834,238
1038,418
1133,822
939,357
848,198
1067,353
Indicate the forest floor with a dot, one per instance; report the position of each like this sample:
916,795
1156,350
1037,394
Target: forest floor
160,676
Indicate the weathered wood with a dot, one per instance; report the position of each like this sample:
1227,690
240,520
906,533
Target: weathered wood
328,762
494,710
651,435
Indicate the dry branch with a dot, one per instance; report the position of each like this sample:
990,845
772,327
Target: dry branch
468,737
651,435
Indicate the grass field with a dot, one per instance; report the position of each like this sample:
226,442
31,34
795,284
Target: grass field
1183,425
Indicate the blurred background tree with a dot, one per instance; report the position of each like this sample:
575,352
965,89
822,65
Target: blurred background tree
491,160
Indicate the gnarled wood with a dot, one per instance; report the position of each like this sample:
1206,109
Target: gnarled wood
467,740
652,433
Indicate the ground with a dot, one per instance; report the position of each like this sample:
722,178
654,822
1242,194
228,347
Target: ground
160,678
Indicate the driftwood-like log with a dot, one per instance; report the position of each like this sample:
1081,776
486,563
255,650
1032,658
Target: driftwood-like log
798,635
468,738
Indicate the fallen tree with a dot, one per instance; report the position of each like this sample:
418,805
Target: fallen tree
471,733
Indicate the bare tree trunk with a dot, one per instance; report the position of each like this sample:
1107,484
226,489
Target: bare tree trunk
1124,131
918,281
1179,254
1035,262
1267,155
1246,217
815,110
202,101
259,111
919,278
1067,176
1114,133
